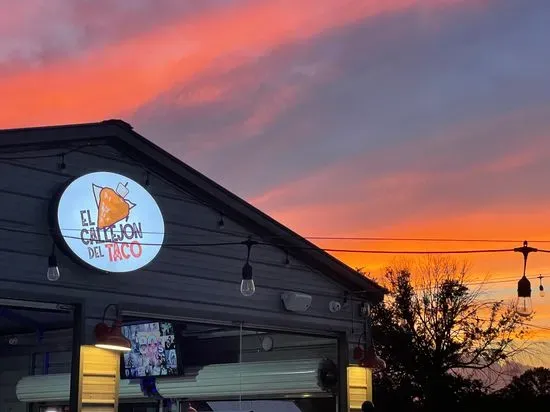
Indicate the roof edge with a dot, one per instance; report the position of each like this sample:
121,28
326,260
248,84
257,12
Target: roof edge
175,168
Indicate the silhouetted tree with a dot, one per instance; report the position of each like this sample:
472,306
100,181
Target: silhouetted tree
530,390
430,329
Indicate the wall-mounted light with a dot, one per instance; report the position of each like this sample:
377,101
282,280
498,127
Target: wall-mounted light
248,288
53,273
367,356
111,337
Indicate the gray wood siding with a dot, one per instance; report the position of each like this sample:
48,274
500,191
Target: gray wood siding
191,281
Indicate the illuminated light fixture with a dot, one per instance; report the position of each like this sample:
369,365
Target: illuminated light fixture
541,288
371,360
367,406
111,337
53,273
367,358
524,305
248,288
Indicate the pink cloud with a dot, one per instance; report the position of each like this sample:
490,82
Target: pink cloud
120,77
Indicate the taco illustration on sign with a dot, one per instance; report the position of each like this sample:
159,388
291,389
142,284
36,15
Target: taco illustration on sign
112,206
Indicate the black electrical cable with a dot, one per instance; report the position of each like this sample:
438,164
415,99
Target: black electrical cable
396,252
52,155
340,238
415,239
29,232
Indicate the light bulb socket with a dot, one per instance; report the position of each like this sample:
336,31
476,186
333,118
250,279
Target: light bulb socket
524,287
541,288
247,271
287,260
62,165
52,261
221,222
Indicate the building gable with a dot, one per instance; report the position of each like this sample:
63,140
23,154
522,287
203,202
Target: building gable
197,270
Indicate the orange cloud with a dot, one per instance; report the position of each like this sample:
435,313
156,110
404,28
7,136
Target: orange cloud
117,79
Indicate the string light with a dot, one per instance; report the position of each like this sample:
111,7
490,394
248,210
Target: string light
248,288
221,222
62,165
53,270
287,260
285,246
524,305
53,273
137,163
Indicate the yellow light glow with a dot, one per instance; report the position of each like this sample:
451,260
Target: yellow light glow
113,347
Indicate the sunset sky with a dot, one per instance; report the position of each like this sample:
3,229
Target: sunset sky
343,118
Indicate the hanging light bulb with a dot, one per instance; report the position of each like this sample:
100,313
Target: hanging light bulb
62,165
541,288
367,358
248,288
221,222
287,260
524,305
53,274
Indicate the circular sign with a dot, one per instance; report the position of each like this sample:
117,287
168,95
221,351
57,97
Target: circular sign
110,222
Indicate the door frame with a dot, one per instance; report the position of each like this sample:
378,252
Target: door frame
77,310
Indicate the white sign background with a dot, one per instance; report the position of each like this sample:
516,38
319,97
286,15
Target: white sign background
124,246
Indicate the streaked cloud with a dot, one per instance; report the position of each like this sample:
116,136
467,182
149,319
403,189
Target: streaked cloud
136,69
399,118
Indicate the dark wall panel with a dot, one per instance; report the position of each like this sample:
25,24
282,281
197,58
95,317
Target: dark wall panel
189,281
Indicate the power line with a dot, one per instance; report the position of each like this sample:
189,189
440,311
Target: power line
522,323
285,246
338,238
290,247
536,326
343,238
415,252
214,244
417,239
